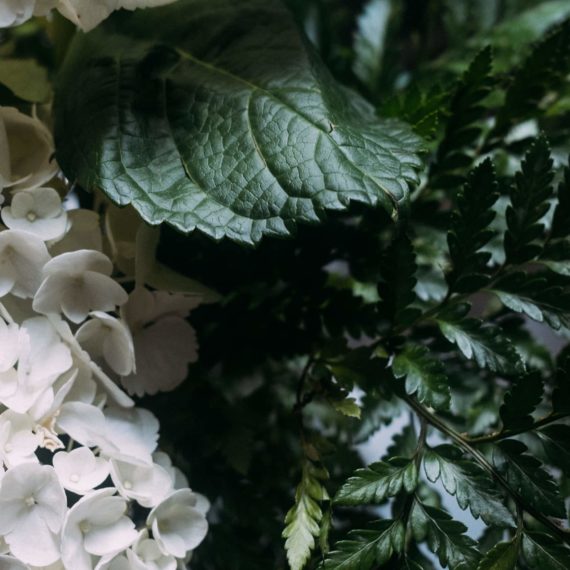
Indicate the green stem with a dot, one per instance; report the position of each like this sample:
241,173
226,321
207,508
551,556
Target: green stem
504,434
433,420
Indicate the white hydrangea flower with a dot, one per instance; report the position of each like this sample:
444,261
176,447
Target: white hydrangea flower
80,471
26,145
165,343
145,554
116,562
177,526
38,211
42,358
134,433
108,337
86,14
22,259
125,435
33,504
146,484
9,334
85,424
18,442
179,480
77,283
96,526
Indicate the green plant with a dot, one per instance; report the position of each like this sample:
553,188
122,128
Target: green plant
384,211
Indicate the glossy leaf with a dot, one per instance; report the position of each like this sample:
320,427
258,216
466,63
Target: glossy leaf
483,343
503,556
470,485
424,376
366,549
182,112
377,482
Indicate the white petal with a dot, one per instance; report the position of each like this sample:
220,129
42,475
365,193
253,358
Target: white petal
112,538
79,470
34,544
22,258
30,143
78,262
163,352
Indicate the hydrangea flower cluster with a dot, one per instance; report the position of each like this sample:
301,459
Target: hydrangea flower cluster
82,483
85,14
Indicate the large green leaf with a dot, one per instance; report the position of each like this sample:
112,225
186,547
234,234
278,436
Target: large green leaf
217,115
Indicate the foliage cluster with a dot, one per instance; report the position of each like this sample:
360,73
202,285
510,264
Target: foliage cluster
384,209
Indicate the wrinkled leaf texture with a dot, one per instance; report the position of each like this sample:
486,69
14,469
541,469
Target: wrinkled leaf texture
218,115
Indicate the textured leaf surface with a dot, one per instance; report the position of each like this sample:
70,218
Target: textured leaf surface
445,537
425,376
485,344
469,484
527,477
542,552
539,296
304,518
218,115
378,482
367,549
504,556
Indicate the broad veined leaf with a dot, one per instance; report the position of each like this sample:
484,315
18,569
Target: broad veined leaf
218,115
304,518
526,476
543,552
425,376
485,344
503,556
445,537
379,481
521,401
468,483
366,549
